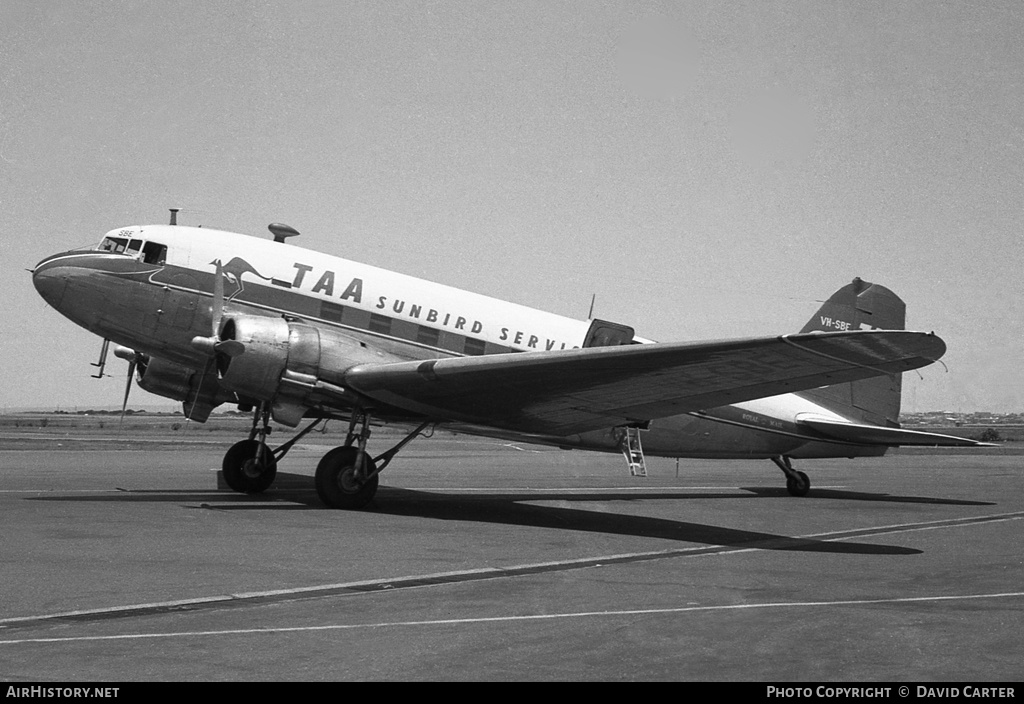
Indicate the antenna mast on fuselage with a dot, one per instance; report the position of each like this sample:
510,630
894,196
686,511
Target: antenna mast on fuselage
281,231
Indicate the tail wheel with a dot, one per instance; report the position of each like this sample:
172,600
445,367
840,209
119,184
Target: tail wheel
798,485
337,483
244,473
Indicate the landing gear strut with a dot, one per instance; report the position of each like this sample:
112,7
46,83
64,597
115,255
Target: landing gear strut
250,466
797,483
347,476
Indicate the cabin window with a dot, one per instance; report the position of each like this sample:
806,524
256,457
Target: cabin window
428,336
331,312
380,323
473,346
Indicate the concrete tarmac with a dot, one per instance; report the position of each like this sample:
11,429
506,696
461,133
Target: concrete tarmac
487,560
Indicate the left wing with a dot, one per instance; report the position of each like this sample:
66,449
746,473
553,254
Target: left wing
572,391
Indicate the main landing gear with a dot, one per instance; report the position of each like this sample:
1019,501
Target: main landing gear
250,466
345,478
797,483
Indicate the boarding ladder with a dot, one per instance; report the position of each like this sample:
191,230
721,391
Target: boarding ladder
633,451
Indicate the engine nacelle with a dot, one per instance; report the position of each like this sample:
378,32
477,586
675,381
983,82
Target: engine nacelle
199,393
292,365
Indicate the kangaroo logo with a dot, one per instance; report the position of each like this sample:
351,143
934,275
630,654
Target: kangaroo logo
233,272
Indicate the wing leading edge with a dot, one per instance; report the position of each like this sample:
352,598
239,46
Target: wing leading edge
573,391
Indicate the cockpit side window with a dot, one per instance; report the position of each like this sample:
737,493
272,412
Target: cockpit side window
154,253
148,252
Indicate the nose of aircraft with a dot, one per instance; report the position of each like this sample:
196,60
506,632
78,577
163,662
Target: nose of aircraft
50,281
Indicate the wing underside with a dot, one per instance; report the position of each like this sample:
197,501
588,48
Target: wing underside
573,391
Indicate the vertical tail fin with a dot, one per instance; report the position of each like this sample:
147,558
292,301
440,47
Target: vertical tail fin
861,305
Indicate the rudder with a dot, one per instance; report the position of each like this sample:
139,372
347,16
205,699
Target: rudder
861,305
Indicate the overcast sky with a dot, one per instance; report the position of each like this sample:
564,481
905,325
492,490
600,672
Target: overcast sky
707,169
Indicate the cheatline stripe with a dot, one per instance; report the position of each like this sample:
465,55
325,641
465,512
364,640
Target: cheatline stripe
521,618
408,582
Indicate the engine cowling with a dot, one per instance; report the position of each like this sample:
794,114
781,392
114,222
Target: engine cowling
292,365
199,393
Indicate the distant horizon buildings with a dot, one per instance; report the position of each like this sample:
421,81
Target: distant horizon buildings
958,418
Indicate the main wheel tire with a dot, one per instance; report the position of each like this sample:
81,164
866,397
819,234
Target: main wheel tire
336,483
800,486
243,473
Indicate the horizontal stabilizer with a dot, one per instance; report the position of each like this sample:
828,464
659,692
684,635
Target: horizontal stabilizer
878,435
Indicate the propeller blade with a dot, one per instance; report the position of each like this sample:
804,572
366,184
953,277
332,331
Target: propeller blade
210,364
213,345
127,390
231,348
218,297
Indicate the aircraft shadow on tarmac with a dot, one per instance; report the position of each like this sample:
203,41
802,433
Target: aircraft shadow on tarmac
510,510
817,494
295,492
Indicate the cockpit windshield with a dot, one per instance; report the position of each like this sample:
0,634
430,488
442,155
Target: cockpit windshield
113,244
148,252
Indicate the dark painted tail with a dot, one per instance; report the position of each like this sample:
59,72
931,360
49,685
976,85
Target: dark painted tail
861,306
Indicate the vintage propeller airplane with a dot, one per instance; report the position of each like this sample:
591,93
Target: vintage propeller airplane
208,317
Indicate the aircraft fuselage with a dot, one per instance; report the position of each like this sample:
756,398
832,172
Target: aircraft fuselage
151,289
